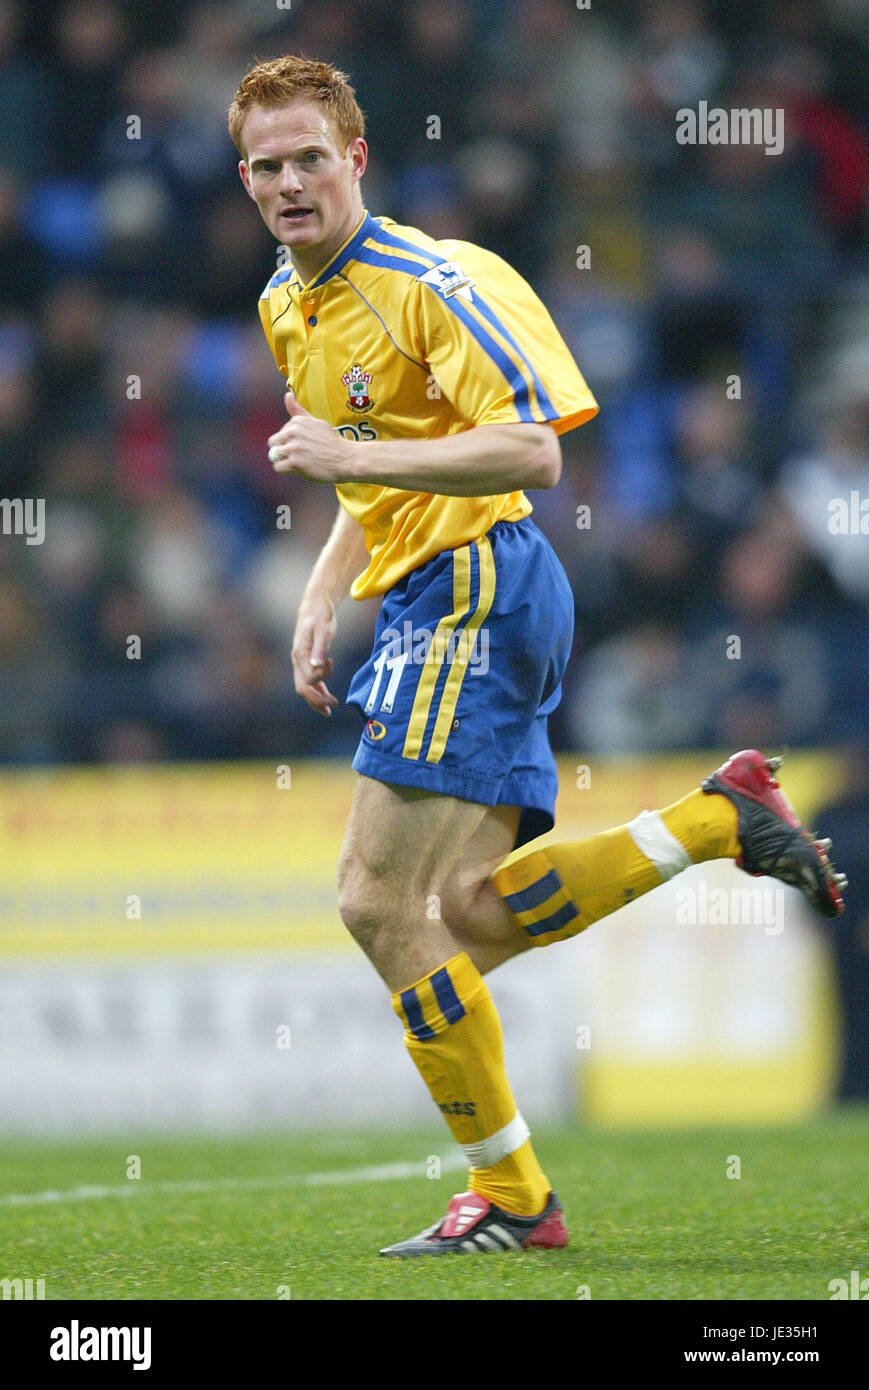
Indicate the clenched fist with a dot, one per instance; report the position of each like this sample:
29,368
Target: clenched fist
310,447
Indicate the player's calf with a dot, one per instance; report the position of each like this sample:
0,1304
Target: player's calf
481,923
740,813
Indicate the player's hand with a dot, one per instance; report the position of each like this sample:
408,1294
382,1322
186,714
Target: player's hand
314,635
310,447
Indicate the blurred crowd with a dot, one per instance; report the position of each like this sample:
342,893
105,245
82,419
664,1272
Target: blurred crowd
721,316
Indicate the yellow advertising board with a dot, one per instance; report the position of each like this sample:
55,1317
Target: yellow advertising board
687,1022
171,858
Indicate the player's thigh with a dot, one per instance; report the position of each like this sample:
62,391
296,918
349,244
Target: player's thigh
401,845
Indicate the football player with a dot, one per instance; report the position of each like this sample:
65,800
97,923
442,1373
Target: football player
429,385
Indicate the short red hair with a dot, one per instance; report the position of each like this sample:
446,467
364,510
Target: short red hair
279,81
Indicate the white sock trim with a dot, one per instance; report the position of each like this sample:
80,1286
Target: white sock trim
651,836
485,1152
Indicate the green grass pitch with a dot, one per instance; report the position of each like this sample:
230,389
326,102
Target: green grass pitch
652,1215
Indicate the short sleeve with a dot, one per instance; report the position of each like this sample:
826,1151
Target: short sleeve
265,313
492,346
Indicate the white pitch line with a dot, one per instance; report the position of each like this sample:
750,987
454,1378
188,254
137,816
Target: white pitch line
383,1172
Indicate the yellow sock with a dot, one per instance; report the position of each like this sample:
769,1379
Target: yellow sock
453,1034
560,890
704,823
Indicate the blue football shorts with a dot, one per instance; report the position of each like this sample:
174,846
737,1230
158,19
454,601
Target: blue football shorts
468,657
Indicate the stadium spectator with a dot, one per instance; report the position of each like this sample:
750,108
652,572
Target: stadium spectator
125,302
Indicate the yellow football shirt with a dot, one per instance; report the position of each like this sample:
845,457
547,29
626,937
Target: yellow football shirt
404,337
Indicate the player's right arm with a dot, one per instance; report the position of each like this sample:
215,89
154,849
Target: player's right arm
343,557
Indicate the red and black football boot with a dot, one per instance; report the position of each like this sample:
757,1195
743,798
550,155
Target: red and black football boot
474,1224
773,841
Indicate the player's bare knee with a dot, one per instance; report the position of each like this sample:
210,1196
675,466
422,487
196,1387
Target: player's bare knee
355,902
367,901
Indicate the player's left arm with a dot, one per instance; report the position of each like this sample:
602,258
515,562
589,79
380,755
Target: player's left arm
473,463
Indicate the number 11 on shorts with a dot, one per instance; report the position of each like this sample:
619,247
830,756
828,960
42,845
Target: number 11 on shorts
395,665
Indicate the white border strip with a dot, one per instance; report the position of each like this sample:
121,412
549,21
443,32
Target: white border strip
485,1152
383,1172
657,842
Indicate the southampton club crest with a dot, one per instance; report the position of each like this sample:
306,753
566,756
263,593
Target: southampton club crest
357,383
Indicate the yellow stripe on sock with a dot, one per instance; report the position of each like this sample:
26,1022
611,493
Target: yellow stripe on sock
520,870
560,898
467,985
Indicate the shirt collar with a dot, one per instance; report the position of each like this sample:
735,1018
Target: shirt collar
344,254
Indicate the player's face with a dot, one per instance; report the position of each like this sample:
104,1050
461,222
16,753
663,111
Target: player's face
304,183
